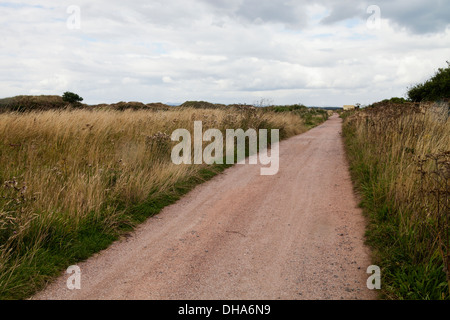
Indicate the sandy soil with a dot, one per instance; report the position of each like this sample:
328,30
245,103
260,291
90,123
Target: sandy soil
294,235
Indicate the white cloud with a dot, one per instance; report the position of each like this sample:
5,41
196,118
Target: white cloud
317,53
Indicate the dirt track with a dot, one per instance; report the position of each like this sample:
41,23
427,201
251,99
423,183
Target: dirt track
295,235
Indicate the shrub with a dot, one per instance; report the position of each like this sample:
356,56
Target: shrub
434,89
71,97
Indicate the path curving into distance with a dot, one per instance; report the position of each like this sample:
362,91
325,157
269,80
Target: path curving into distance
295,235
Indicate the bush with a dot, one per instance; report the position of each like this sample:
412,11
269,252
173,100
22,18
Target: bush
395,100
71,97
201,105
435,89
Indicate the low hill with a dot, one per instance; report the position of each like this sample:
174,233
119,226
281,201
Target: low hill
50,102
25,103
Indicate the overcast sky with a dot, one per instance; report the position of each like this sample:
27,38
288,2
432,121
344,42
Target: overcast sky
321,53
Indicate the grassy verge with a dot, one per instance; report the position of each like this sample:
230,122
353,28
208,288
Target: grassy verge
399,161
72,182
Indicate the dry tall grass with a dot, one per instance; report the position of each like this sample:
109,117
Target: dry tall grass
62,169
401,158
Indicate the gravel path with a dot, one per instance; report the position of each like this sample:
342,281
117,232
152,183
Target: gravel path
294,235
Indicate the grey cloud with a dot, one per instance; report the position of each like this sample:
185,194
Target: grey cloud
343,11
417,16
272,11
289,13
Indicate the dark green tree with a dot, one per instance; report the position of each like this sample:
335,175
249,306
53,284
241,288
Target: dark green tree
71,97
434,89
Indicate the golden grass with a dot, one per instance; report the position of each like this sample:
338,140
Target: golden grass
401,137
66,160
